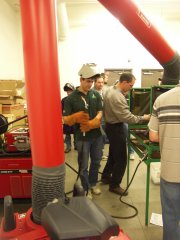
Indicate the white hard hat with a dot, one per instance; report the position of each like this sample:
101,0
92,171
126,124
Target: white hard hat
89,70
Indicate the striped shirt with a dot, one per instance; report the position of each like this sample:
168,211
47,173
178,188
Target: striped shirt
165,120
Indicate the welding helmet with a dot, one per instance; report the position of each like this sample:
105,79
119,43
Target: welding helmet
68,87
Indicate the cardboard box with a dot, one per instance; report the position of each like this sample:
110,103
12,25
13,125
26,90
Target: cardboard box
20,84
11,87
11,84
17,110
8,92
10,118
7,100
20,100
8,84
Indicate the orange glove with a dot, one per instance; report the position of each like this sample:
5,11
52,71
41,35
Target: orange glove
91,124
79,117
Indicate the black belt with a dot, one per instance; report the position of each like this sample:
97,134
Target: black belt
115,124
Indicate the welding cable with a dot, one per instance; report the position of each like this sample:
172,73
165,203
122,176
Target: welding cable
78,176
135,209
6,124
74,170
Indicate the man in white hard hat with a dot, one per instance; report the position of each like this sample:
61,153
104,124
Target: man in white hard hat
89,139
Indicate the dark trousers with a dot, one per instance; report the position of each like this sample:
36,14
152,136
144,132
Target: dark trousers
117,159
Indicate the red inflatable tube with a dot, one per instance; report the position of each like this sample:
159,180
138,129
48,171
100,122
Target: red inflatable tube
42,82
136,22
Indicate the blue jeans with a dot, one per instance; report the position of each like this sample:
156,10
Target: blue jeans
67,140
103,131
170,201
92,148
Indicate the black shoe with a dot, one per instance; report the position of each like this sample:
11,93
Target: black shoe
106,180
67,150
118,190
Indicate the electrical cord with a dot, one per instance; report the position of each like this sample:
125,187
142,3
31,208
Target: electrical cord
72,168
133,207
78,175
18,119
76,178
120,217
129,205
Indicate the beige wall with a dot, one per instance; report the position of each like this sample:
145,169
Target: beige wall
101,39
10,44
111,45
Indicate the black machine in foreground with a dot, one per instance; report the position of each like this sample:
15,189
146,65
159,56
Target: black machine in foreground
74,218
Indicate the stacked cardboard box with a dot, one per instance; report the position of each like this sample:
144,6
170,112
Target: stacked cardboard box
16,111
10,118
11,91
11,99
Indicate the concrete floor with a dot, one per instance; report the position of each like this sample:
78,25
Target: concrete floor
134,227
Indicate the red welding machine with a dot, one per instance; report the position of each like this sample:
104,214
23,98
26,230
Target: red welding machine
17,140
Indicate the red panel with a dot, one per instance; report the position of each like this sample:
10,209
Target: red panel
16,186
4,186
16,163
15,177
27,185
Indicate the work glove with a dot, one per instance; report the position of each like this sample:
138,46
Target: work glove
79,117
91,124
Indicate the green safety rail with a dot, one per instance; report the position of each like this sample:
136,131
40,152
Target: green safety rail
141,102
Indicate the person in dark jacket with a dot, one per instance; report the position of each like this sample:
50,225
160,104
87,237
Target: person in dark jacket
68,130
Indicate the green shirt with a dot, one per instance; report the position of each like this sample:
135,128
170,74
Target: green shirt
74,103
